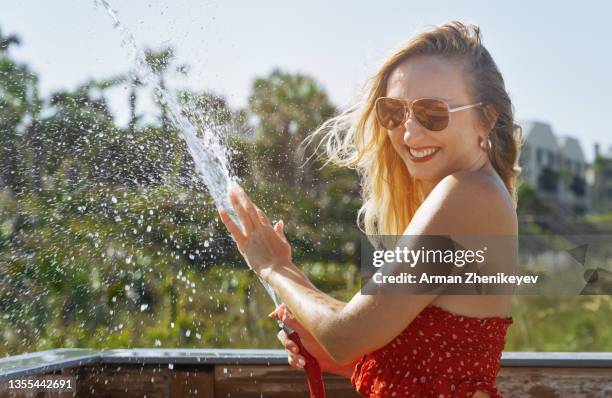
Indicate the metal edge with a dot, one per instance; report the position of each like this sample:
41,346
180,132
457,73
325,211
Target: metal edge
557,359
196,356
229,357
51,366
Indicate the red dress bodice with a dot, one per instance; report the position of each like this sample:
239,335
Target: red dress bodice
439,355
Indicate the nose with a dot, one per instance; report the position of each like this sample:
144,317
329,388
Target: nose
412,130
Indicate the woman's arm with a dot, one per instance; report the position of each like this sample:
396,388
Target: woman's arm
314,348
463,203
346,330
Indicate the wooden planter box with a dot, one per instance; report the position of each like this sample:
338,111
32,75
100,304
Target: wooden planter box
160,373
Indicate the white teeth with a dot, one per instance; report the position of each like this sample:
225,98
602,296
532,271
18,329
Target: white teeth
422,153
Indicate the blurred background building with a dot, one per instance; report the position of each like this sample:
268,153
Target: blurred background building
556,167
600,176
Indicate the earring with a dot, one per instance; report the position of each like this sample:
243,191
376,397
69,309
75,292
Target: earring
485,144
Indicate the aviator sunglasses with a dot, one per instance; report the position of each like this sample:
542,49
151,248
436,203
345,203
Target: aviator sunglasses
431,113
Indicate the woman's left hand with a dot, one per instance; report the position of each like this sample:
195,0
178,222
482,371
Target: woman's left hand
262,245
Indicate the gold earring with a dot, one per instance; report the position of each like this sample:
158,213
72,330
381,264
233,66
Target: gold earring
485,144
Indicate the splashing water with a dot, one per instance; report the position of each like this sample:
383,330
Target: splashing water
209,154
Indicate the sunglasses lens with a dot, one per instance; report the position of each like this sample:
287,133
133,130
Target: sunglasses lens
431,113
390,112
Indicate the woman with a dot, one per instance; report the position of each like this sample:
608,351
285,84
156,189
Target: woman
436,145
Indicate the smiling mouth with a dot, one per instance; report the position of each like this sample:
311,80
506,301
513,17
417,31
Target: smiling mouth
422,154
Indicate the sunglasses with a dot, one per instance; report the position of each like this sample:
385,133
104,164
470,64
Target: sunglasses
433,114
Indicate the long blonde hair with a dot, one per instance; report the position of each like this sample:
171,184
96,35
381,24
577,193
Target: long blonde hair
355,139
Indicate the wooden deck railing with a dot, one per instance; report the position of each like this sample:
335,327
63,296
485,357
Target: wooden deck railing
264,373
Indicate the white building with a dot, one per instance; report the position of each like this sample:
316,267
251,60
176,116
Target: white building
601,178
555,166
573,187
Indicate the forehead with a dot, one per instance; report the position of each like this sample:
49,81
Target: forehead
428,76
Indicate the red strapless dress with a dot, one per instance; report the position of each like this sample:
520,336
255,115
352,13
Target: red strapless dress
439,355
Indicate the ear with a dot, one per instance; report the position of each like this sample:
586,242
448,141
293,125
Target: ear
490,117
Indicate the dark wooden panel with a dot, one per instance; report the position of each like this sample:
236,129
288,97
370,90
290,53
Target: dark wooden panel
274,382
124,382
555,382
150,381
193,384
520,382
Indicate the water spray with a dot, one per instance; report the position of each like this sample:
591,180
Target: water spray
212,167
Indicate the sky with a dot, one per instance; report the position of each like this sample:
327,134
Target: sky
556,57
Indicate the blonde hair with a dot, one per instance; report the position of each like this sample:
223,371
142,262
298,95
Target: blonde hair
356,140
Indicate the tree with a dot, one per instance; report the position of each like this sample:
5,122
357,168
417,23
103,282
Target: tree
529,203
159,62
288,107
134,84
18,102
74,138
7,41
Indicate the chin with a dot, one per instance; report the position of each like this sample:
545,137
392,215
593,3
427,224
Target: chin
426,177
422,172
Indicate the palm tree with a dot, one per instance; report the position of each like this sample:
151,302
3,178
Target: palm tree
134,84
7,42
159,62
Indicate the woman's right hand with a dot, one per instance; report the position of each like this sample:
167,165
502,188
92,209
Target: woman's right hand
296,360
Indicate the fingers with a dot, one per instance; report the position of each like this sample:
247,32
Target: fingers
275,313
293,357
262,217
249,206
241,212
234,229
283,314
296,361
279,229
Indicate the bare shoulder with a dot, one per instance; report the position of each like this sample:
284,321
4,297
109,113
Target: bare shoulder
467,202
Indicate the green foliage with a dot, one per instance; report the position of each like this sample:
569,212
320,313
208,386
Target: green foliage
560,324
288,107
529,203
18,102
